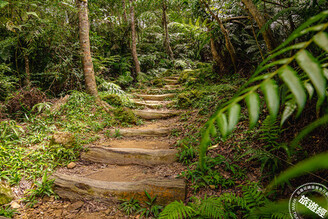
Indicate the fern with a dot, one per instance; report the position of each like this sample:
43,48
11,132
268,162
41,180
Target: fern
211,207
176,210
111,88
227,116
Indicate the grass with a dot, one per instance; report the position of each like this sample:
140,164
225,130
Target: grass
25,149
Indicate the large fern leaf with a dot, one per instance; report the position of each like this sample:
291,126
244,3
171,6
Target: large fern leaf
176,210
265,78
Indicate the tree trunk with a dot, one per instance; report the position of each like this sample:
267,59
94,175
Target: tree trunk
124,11
166,32
216,57
260,20
228,43
88,70
27,70
134,40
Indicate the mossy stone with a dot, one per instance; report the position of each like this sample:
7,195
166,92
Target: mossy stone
125,115
112,99
66,139
6,195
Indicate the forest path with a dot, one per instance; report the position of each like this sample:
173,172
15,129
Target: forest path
134,160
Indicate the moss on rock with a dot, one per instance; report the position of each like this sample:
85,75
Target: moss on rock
6,195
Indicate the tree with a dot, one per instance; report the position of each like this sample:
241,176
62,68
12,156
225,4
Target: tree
134,40
229,46
88,70
167,45
260,20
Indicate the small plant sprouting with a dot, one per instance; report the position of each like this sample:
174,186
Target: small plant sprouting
130,206
151,209
42,188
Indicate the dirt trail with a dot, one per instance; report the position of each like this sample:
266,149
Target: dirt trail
142,159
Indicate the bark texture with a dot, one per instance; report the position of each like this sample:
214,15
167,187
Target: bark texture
134,39
88,70
216,56
228,43
125,18
27,70
260,20
167,45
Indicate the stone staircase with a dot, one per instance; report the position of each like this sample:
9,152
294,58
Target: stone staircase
127,167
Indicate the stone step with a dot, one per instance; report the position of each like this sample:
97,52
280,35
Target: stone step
128,156
155,114
172,77
119,182
171,81
158,97
172,87
151,104
134,143
151,132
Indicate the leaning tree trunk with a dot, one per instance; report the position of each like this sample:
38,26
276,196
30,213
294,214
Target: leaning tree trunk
260,20
124,11
84,28
134,40
216,57
166,32
228,44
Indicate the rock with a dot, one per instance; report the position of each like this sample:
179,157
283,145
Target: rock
71,165
57,105
6,195
15,205
76,205
57,213
66,139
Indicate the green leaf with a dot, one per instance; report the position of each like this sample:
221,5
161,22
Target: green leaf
223,124
313,69
315,28
309,165
309,89
296,33
253,105
32,13
3,4
321,39
325,72
289,76
288,111
234,113
270,90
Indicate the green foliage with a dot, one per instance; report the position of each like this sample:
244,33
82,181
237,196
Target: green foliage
151,209
186,154
227,116
7,83
130,206
112,99
269,133
211,176
125,116
42,188
7,211
176,210
228,205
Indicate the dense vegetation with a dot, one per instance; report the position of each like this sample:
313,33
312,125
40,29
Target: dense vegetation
254,89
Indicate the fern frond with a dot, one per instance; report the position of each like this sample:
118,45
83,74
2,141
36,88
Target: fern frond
227,116
211,207
176,210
